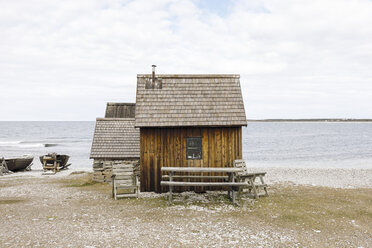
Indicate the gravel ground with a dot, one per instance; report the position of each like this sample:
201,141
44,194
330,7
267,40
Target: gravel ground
40,211
335,178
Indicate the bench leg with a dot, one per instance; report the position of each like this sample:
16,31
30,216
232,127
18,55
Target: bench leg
114,183
229,188
254,188
113,188
170,193
240,189
262,181
138,186
232,189
170,187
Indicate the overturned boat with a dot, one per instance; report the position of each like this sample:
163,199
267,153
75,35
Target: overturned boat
19,163
54,161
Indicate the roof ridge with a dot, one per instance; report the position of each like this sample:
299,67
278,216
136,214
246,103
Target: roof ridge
190,75
114,119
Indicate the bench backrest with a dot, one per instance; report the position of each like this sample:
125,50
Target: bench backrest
240,163
124,174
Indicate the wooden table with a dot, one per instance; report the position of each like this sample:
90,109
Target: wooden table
230,171
250,178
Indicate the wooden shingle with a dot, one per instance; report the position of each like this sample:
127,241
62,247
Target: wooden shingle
120,110
115,138
190,100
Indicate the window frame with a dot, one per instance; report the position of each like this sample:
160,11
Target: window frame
194,147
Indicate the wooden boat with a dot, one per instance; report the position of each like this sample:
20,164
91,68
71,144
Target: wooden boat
62,159
18,164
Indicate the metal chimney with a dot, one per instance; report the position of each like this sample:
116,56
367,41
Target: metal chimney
153,74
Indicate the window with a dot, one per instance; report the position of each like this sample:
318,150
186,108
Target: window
193,148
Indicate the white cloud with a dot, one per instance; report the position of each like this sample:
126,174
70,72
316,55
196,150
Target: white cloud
298,59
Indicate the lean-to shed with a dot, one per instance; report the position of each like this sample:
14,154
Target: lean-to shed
115,141
187,120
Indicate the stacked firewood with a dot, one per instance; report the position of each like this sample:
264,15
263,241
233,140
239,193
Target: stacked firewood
102,169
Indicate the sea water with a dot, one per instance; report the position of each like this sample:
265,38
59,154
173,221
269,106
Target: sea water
265,144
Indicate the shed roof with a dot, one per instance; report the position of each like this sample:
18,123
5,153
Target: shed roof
190,100
120,110
115,138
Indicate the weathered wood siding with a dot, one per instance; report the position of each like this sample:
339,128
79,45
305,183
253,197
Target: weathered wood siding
167,147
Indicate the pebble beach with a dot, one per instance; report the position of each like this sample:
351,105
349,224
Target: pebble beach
63,210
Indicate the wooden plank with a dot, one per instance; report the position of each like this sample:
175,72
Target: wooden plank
124,182
157,149
126,187
200,169
192,176
212,143
145,180
142,165
204,134
151,172
218,148
173,183
121,166
232,144
118,171
155,176
158,173
124,177
240,156
126,195
224,146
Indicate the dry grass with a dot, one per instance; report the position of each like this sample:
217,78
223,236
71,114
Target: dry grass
11,201
329,213
316,207
288,206
84,180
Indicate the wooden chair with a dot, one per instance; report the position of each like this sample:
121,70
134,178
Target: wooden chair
125,182
245,176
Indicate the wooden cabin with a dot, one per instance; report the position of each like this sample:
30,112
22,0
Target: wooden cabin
187,120
115,141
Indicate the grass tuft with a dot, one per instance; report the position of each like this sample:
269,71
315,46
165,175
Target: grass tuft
11,201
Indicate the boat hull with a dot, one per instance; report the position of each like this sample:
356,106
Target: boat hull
18,164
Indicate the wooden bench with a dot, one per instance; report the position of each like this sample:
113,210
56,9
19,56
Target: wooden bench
253,187
125,182
230,183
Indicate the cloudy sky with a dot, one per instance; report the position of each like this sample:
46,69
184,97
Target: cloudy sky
63,60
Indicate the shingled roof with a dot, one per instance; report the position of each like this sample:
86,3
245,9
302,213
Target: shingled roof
120,110
189,100
115,138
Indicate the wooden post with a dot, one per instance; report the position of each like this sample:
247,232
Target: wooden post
2,167
170,187
114,184
262,182
137,186
229,188
233,192
252,179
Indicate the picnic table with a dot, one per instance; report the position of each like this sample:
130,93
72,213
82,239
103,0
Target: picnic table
230,179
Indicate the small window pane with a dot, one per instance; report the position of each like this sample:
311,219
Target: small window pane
194,148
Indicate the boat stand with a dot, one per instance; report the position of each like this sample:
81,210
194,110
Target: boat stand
4,168
51,165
